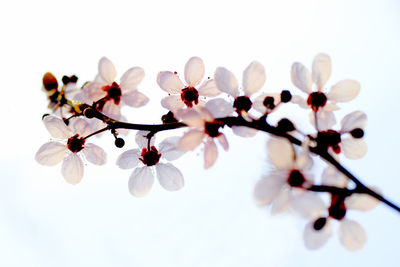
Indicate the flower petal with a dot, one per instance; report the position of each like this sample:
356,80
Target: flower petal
169,148
244,131
351,235
134,98
326,119
210,153
50,153
300,101
141,181
226,81
131,79
129,159
190,140
94,154
332,177
268,188
309,205
321,70
169,176
282,203
219,108
208,88
170,82
93,92
344,91
172,103
193,118
253,78
361,202
80,126
141,139
301,77
353,148
356,119
280,153
223,142
194,71
57,127
72,168
112,110
314,239
107,70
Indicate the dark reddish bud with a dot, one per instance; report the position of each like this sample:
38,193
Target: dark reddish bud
269,102
49,82
285,125
357,133
286,96
119,142
89,113
168,118
319,223
242,103
296,178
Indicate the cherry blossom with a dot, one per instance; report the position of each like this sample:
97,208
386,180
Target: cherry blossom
70,147
109,95
142,178
204,128
180,94
253,79
322,103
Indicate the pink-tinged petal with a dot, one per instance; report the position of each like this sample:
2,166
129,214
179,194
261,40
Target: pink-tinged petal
210,153
194,71
111,110
80,126
208,88
169,148
223,142
142,140
226,81
332,177
57,127
93,91
253,78
300,101
353,148
268,188
321,70
141,181
244,131
193,118
351,235
344,91
301,77
205,114
107,70
94,154
362,202
172,103
72,168
99,79
219,108
326,119
330,106
191,139
131,79
51,153
280,153
309,205
282,202
134,98
356,119
315,239
169,177
129,159
170,82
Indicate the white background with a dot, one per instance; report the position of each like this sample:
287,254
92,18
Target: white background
212,221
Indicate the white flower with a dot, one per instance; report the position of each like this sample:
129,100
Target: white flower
70,150
253,79
204,128
109,95
283,187
180,94
321,103
142,178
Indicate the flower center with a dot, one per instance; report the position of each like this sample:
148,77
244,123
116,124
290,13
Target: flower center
328,139
113,92
75,144
211,128
150,157
190,95
242,103
316,100
296,178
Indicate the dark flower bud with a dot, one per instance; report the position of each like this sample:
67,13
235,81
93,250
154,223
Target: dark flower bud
89,113
319,223
168,118
286,96
285,125
357,133
269,102
119,142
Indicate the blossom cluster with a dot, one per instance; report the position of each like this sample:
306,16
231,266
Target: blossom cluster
206,107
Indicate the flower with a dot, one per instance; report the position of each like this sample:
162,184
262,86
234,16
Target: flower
109,95
181,95
203,126
142,178
253,79
322,104
71,148
284,186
